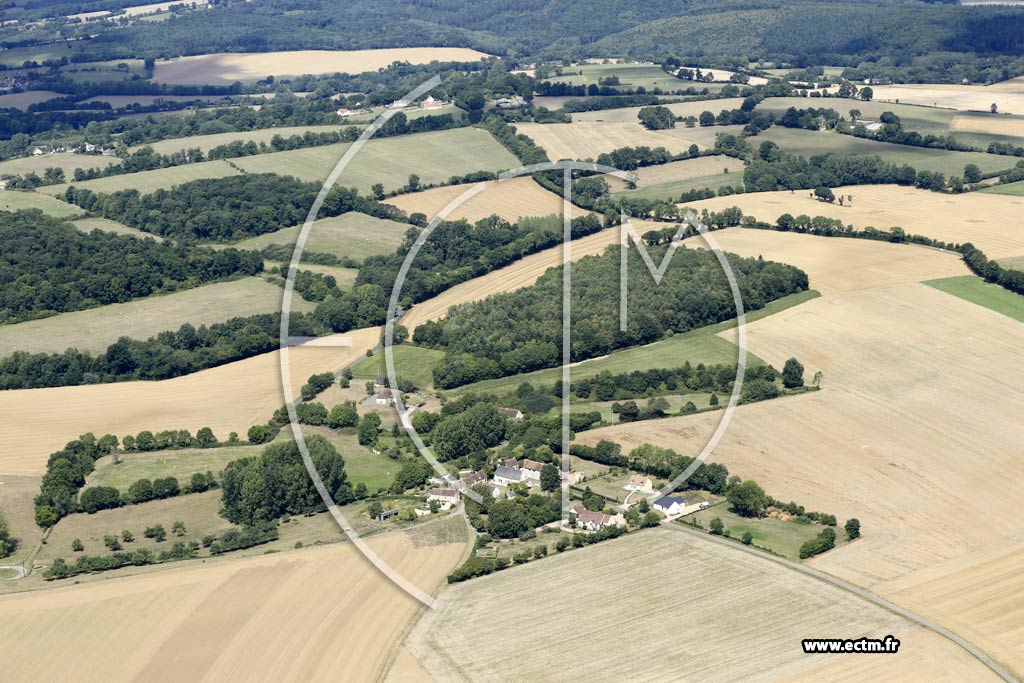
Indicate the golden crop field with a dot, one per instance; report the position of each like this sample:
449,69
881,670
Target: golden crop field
656,605
511,199
676,172
316,614
983,219
355,235
95,329
913,432
225,69
589,139
1008,126
227,398
1008,96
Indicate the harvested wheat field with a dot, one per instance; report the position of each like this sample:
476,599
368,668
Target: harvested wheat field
1008,96
605,607
511,199
1006,126
520,274
677,173
317,614
992,222
225,69
914,433
589,139
228,398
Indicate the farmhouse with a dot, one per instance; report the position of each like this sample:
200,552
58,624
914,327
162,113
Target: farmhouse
870,125
345,113
669,505
512,414
431,103
595,521
531,469
399,104
504,476
385,397
639,482
446,497
473,479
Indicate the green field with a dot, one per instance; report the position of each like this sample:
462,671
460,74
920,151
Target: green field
434,157
648,76
672,190
17,56
809,143
107,225
95,329
208,142
147,181
345,277
411,362
353,235
104,71
925,120
1014,189
697,346
675,404
7,574
1015,263
977,291
67,162
181,464
362,465
782,537
16,200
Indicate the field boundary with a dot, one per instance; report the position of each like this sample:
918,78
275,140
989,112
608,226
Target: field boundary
966,645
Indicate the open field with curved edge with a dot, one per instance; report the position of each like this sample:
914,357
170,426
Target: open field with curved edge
228,398
589,139
107,225
148,181
66,161
989,221
913,433
16,200
605,609
208,142
322,613
95,329
225,69
355,235
511,199
684,109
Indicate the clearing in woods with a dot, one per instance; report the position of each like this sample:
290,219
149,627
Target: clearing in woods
200,621
16,200
353,235
511,199
589,139
148,181
918,383
228,398
729,613
435,157
95,329
208,142
980,218
107,225
810,143
225,69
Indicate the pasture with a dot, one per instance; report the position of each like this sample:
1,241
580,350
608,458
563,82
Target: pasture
644,75
94,329
669,180
980,218
148,181
181,464
124,101
974,289
225,69
323,613
511,199
433,156
208,142
355,235
921,387
67,161
629,114
17,200
23,100
411,362
1013,189
107,225
589,139
621,592
227,398
925,120
809,143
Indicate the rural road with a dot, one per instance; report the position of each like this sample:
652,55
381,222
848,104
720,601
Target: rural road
20,571
978,654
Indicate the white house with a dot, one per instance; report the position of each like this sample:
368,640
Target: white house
431,103
345,113
505,476
399,104
595,521
531,470
37,152
446,497
669,505
639,482
385,397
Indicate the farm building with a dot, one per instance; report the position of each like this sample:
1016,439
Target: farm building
386,515
385,397
431,103
639,482
504,476
531,469
669,505
344,113
595,521
514,102
473,479
512,414
446,497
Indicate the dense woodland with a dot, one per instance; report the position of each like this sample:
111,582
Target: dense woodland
49,267
520,331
